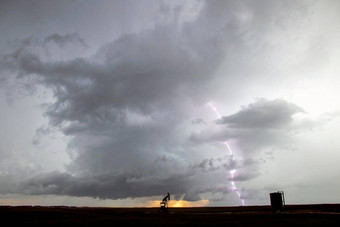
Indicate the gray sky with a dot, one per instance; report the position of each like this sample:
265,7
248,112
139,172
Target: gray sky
111,103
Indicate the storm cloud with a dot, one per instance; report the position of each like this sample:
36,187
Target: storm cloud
274,114
121,106
261,124
131,106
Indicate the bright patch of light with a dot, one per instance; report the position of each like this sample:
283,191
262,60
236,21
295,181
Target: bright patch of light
177,203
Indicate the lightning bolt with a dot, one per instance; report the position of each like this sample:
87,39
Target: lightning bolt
233,171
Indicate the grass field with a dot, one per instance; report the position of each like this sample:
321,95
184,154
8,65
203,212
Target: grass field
295,215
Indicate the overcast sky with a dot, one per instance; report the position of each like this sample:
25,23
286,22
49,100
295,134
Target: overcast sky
116,103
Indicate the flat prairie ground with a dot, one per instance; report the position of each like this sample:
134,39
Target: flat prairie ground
294,215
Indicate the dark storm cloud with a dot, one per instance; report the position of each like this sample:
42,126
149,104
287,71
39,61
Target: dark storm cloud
260,124
267,114
124,108
61,40
114,186
121,184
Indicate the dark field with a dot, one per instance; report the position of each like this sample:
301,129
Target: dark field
295,215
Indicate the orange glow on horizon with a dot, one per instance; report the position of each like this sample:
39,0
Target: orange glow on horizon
178,203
